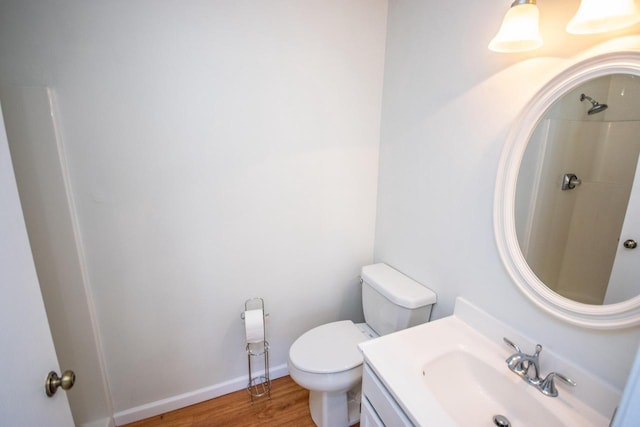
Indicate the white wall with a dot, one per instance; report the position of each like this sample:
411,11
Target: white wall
448,104
217,151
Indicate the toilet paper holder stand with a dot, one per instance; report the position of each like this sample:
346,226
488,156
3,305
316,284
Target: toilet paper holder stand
259,383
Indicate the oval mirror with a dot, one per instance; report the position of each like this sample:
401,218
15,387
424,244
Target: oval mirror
567,206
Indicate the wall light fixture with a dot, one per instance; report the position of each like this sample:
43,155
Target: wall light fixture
520,31
598,16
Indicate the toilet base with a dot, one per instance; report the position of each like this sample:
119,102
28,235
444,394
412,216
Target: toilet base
337,409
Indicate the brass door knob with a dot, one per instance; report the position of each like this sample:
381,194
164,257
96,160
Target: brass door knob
53,382
630,244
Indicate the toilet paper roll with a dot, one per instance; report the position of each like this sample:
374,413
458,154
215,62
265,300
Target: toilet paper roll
254,325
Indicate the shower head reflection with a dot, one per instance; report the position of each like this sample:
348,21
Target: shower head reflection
596,107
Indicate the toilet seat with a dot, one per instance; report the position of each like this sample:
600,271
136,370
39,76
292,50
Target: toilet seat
328,348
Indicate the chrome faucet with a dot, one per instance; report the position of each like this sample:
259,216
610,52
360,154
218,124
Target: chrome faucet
522,363
527,367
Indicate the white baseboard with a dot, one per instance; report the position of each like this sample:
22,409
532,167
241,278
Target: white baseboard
103,422
183,400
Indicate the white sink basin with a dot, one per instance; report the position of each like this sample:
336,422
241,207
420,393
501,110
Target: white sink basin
470,391
446,373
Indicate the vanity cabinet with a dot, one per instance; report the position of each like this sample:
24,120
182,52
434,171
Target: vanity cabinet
379,408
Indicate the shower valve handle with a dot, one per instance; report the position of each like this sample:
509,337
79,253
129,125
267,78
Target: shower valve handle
570,181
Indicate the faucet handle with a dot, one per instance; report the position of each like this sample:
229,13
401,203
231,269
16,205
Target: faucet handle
515,347
548,386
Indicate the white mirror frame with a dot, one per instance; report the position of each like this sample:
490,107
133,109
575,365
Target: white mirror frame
611,316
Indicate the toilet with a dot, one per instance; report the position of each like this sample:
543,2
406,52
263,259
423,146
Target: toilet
326,359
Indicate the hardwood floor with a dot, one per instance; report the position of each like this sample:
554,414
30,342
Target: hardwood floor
289,406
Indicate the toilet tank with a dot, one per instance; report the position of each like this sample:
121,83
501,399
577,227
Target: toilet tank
392,301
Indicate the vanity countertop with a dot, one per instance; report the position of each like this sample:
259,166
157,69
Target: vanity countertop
401,360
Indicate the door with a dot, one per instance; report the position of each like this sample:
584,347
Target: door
624,282
26,347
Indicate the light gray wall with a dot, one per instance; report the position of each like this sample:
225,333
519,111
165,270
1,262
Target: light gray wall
448,104
217,151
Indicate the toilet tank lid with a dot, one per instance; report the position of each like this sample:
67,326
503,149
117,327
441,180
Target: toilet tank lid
397,287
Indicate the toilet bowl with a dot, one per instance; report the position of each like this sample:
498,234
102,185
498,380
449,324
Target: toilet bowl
326,359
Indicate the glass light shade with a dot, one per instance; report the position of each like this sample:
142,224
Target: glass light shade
519,31
599,16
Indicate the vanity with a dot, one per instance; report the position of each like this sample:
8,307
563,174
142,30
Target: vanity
452,372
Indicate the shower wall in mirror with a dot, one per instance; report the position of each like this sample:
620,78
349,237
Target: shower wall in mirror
570,238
